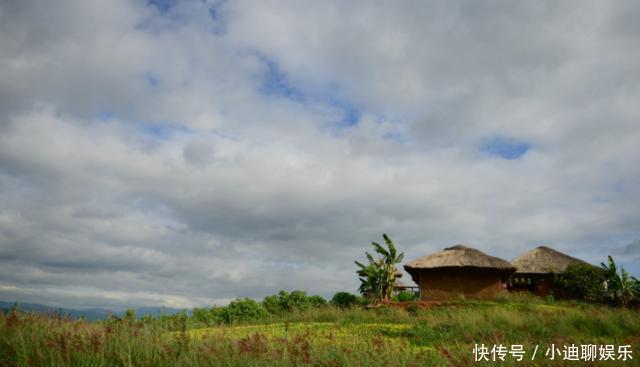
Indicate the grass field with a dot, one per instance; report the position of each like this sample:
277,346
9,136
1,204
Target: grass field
328,336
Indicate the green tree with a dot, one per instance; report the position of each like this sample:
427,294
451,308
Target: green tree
243,310
621,287
344,299
202,315
581,281
378,277
317,301
287,302
272,304
371,277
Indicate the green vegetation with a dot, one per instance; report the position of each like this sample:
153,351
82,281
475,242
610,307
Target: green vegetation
405,296
378,277
285,302
248,334
621,287
344,300
294,329
581,281
606,284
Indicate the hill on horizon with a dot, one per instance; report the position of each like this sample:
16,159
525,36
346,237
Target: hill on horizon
91,314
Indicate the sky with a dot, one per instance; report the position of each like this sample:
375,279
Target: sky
186,153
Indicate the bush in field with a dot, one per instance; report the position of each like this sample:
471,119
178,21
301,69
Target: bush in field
130,315
581,281
217,314
208,316
242,310
201,315
272,304
296,300
317,301
287,302
344,299
405,296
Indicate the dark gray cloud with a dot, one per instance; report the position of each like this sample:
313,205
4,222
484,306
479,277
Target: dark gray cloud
631,250
158,158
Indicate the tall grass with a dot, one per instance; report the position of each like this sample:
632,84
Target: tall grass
325,336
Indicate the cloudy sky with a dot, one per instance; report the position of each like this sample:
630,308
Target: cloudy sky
187,153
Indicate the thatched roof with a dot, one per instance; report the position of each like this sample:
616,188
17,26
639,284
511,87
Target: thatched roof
543,260
457,257
399,284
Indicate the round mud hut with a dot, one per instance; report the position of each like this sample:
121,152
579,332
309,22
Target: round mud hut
536,269
459,270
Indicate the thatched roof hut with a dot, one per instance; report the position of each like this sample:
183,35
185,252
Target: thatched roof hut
543,260
400,286
459,256
535,270
459,270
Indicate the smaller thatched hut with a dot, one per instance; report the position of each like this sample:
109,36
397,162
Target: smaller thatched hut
459,270
399,286
535,270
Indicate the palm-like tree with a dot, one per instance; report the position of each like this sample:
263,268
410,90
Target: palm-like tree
370,278
390,258
628,287
378,277
620,285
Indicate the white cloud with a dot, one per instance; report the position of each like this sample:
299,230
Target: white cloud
142,162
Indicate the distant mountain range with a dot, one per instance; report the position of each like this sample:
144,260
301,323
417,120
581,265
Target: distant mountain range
90,313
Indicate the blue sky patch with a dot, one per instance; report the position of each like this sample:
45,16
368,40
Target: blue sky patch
105,116
152,80
163,6
506,148
351,113
217,17
164,131
276,82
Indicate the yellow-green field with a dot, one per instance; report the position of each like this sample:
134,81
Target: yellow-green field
329,336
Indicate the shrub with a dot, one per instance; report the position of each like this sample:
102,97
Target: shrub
296,300
317,301
271,304
201,315
344,299
287,302
405,296
130,315
218,314
581,281
243,310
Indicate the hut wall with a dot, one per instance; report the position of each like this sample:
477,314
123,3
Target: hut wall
538,284
544,284
443,284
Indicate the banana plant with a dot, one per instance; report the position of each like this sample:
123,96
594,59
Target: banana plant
378,277
371,276
622,287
